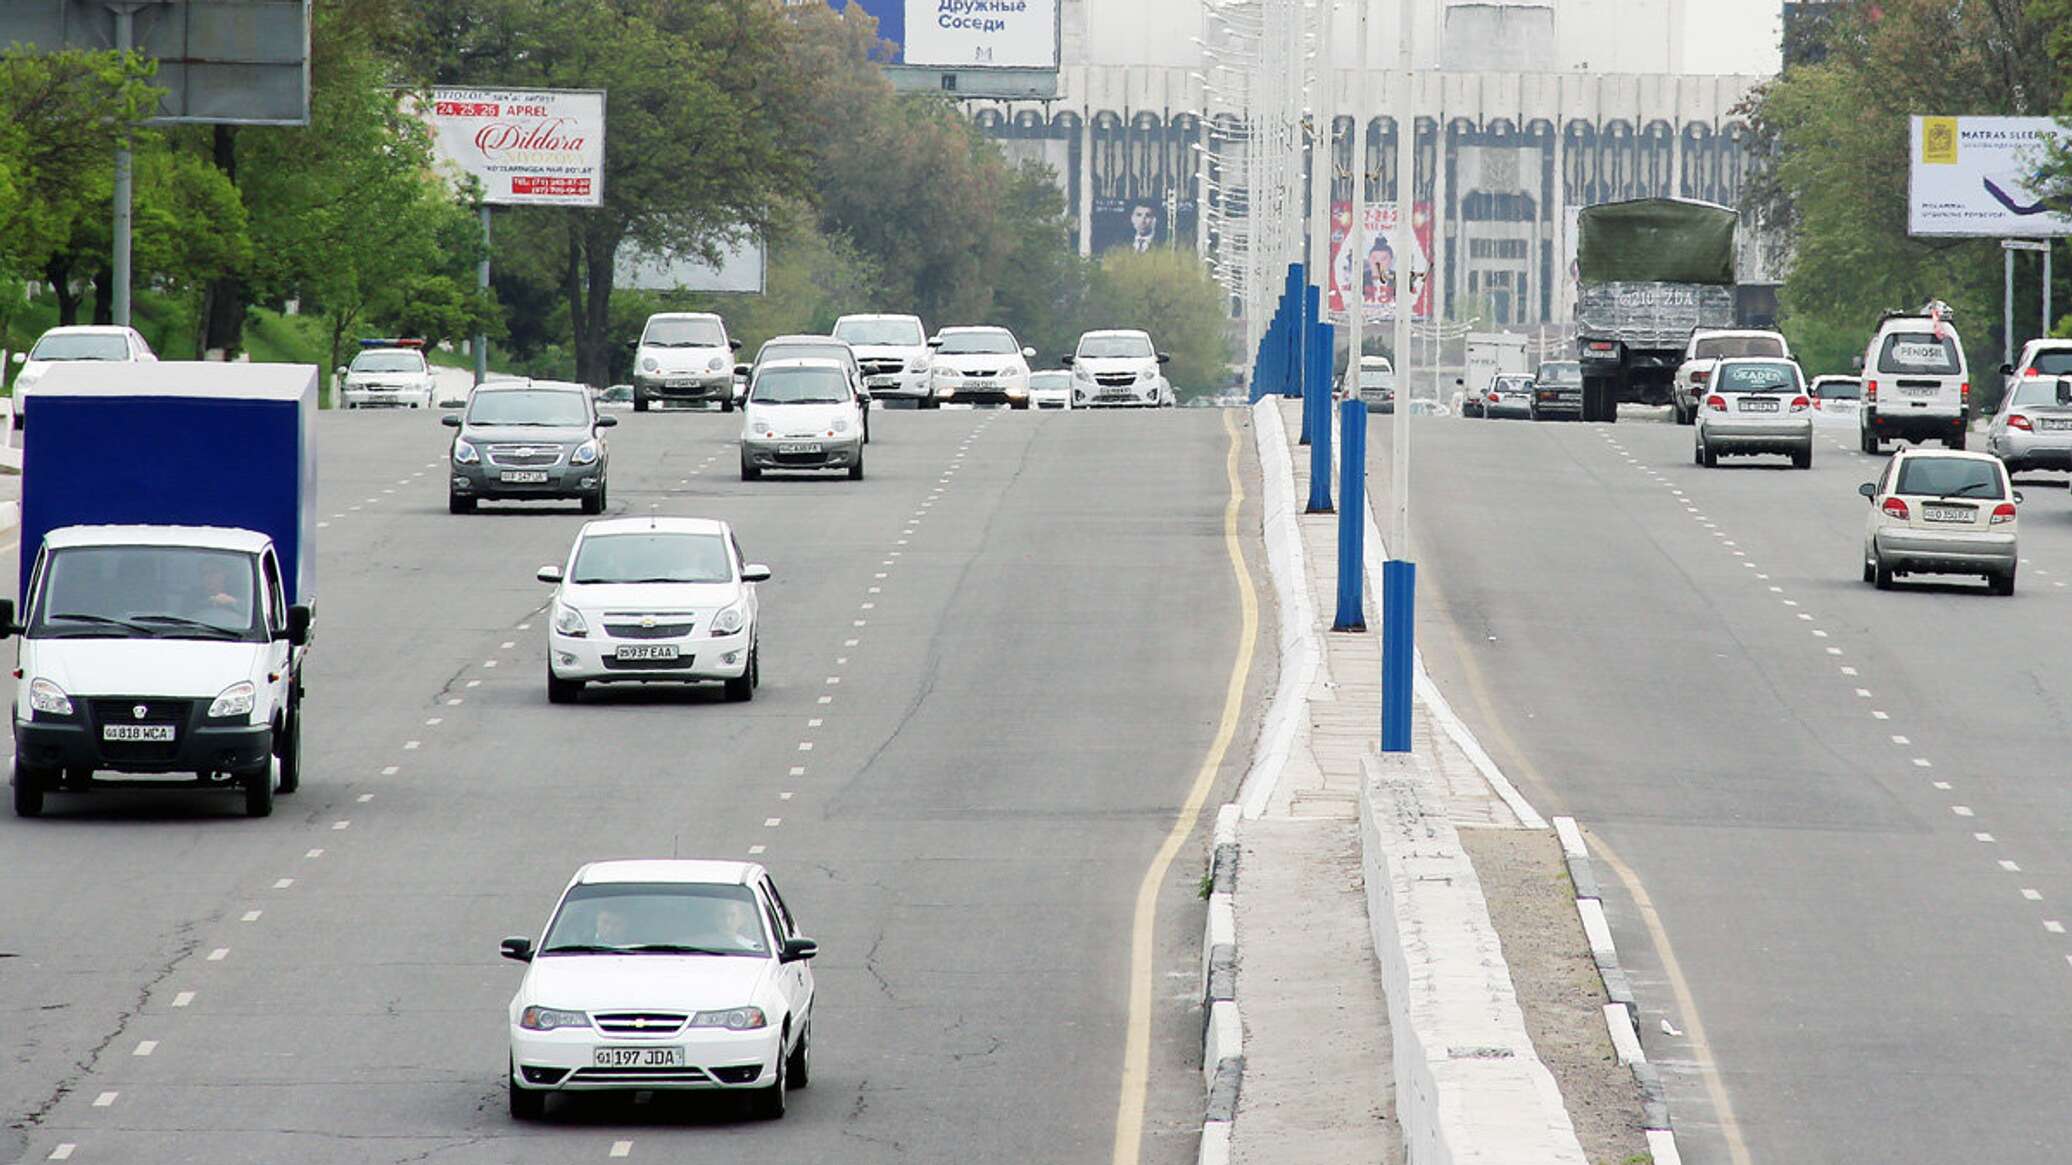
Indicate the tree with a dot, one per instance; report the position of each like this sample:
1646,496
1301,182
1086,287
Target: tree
1170,294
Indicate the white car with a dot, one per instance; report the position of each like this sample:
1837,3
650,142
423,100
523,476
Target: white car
1706,348
1916,384
1755,405
1119,368
893,352
802,414
667,976
980,365
387,374
684,357
2032,429
1836,397
1941,513
85,342
654,600
1050,388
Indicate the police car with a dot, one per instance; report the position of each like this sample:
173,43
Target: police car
387,374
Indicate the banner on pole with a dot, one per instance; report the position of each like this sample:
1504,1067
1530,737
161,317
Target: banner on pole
1377,271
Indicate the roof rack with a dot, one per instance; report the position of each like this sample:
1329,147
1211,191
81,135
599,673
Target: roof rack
1927,310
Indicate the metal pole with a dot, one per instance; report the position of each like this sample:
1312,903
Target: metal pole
2006,307
2046,290
1352,505
482,279
1405,246
119,278
1322,155
1355,245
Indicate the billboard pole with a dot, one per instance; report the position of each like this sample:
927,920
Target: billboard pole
482,280
2006,305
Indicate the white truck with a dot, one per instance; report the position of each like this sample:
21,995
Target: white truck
168,537
1489,354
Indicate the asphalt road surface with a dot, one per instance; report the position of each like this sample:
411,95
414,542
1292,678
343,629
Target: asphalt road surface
991,672
1846,809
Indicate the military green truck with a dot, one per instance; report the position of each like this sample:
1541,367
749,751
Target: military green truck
1650,272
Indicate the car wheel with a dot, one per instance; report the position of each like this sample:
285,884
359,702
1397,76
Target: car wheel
640,401
29,784
258,783
1803,458
726,404
1955,440
526,1104
2003,584
290,748
741,689
1881,576
1706,457
856,467
1867,443
456,504
1870,573
799,1066
768,1103
560,691
594,504
1697,453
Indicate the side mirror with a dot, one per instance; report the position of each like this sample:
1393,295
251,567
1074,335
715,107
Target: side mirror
1028,353
733,345
21,357
7,626
1065,361
755,572
794,950
1856,363
517,947
1868,490
1165,358
298,625
341,370
2007,370
743,369
633,344
450,420
936,342
607,422
548,574
2018,497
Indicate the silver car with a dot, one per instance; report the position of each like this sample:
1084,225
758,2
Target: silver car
1941,513
1509,395
2033,427
523,440
1753,406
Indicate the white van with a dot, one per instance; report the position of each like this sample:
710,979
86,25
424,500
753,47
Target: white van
1916,386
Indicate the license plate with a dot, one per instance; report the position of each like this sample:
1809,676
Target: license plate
1919,390
2052,426
637,1057
980,384
1758,405
159,733
525,476
799,447
881,382
647,651
1948,514
676,384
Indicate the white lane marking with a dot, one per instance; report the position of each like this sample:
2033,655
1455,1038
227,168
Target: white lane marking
183,999
1922,762
63,1152
283,883
805,746
858,623
840,660
1944,785
252,915
772,822
488,663
1962,810
880,574
850,642
455,702
315,853
2054,926
145,1047
327,525
621,1148
2010,867
1985,837
755,849
474,683
1901,740
410,745
1848,671
1834,651
834,679
435,721
219,954
105,1099
785,796
2032,895
1778,591
390,770
1805,616
524,626
870,607
813,723
507,645
1864,693
798,770
827,699
365,797
877,590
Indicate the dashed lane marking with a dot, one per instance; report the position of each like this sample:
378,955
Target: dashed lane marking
105,1099
183,999
145,1047
252,915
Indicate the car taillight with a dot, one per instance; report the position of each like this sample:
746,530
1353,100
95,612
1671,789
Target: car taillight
1964,391
1716,402
2030,372
2018,421
1895,507
1494,398
1800,404
1700,377
1870,390
2004,512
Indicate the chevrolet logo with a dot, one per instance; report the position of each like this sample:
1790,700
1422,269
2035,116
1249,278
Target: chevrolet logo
140,711
647,620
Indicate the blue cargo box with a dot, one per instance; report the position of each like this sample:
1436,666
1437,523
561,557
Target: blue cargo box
175,443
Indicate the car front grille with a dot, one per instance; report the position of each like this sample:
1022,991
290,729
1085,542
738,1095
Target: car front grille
982,373
179,713
639,1023
680,663
1115,379
640,1075
641,631
881,367
524,456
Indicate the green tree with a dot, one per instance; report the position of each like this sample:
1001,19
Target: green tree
1170,294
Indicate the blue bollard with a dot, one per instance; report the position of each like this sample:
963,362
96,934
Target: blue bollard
1305,330
1352,502
1319,396
1398,651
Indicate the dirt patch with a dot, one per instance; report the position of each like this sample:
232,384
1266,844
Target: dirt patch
1532,904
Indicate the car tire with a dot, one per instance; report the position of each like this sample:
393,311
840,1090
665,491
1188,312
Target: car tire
289,749
1803,458
1955,440
640,401
1870,573
526,1104
726,404
856,467
741,689
258,786
1868,443
799,1066
560,691
1697,453
749,472
29,785
1881,576
768,1102
456,504
2003,584
594,504
1706,457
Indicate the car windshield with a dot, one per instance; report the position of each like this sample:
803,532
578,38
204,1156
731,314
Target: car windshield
1512,384
528,406
977,343
800,386
1919,352
1841,389
388,362
652,557
2056,362
1950,477
81,346
1564,374
148,592
683,332
1109,347
881,333
1757,376
1719,347
666,918
617,392
803,351
1050,380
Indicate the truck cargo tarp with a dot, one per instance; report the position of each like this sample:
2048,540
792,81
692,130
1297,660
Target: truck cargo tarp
1656,240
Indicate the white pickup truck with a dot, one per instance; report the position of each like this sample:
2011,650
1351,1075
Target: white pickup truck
1706,349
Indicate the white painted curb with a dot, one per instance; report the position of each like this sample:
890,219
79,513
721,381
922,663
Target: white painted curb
1215,1144
1300,651
1226,1039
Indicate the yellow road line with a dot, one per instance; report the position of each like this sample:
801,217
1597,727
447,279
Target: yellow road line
1136,1055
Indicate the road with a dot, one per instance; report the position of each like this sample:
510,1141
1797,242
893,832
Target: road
1846,809
991,670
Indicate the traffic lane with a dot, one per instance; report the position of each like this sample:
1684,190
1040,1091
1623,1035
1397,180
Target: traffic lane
1672,624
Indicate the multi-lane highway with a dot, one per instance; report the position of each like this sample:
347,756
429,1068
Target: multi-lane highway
1844,811
991,674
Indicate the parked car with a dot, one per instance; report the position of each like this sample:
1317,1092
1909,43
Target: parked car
2032,429
1707,347
1916,385
1755,406
1941,513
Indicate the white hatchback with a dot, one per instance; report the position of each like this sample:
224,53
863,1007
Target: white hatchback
1941,513
653,600
1755,405
663,975
803,415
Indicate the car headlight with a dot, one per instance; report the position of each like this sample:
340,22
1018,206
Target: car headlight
717,363
759,428
738,1019
569,622
585,454
235,700
949,374
1082,372
1150,372
649,364
45,696
730,620
840,427
464,453
546,1019
921,364
28,377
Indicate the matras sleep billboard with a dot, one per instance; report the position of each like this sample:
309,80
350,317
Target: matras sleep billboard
1983,176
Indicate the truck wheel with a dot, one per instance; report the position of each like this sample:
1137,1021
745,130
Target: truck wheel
29,784
456,504
258,783
289,749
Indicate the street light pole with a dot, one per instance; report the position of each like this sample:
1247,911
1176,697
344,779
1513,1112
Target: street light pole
1355,292
1399,573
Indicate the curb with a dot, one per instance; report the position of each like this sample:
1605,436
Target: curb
1301,654
1622,1014
1223,1027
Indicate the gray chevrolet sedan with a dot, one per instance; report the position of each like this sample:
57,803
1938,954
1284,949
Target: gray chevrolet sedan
523,440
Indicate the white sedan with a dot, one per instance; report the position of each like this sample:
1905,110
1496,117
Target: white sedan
653,600
663,975
980,365
79,342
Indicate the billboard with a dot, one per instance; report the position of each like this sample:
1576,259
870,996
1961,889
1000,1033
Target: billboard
1142,224
1378,268
1982,176
740,269
220,62
529,147
972,48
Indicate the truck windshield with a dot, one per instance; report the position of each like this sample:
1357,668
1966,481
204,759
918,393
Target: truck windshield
148,592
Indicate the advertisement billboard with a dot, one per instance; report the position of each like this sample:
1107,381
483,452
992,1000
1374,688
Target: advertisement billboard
1142,224
1377,271
971,48
1982,176
740,270
529,147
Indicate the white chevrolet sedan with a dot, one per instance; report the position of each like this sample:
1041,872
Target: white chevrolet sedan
653,600
663,975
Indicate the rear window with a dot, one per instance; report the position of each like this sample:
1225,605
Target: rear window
1757,376
1841,389
1561,373
1920,353
1720,347
2053,363
1950,477
2036,392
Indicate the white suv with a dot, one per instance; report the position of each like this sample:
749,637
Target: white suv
1119,368
1916,386
1704,352
387,374
1941,513
893,353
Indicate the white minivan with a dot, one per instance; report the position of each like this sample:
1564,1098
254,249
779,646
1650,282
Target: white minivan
1916,386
